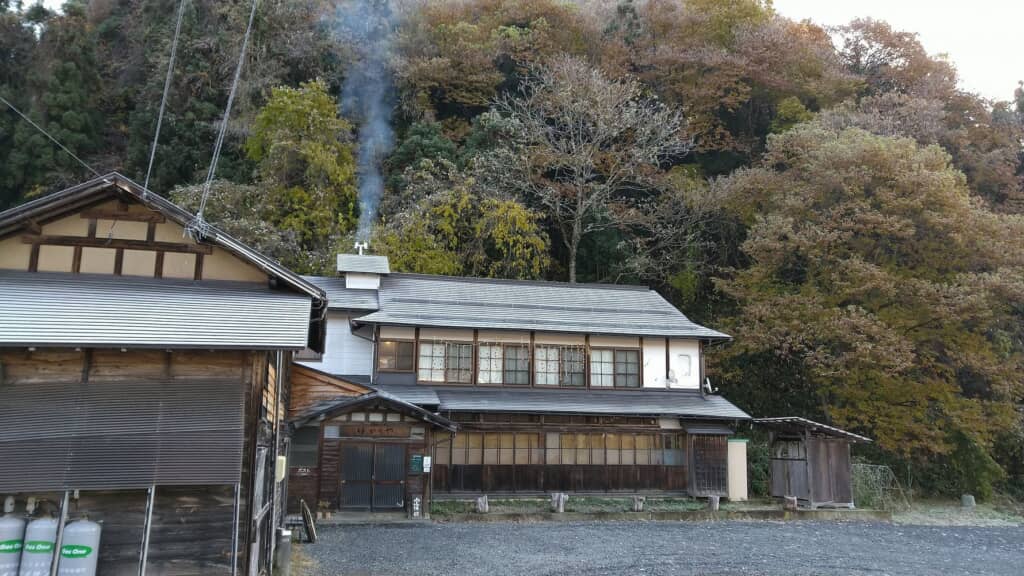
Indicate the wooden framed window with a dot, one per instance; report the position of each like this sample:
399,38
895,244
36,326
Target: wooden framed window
445,362
560,366
517,365
573,367
546,366
602,368
627,368
459,363
431,364
490,364
395,356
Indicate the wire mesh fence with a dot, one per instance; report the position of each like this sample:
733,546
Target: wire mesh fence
875,486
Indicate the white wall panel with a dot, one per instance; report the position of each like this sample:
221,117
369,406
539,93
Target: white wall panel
684,362
344,352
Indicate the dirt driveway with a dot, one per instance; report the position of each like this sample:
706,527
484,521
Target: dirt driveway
663,548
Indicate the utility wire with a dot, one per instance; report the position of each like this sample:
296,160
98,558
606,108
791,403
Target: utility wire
163,100
47,134
199,226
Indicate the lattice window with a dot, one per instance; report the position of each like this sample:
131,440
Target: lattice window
602,368
432,357
459,363
627,368
490,364
517,365
547,366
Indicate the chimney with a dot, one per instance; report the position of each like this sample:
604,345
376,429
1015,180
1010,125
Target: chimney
362,271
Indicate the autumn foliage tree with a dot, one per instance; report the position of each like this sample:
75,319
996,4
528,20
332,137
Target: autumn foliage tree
306,190
578,142
876,294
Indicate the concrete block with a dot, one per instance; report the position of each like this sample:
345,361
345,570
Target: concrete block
713,502
790,503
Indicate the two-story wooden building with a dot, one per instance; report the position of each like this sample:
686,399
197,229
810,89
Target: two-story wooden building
541,387
143,378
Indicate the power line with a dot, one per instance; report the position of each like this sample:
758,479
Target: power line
198,225
163,100
47,134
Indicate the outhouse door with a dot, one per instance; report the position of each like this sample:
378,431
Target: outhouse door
373,476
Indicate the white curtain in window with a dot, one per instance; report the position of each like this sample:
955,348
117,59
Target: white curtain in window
547,365
431,362
601,368
490,364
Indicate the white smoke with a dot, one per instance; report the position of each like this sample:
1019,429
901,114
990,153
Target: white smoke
367,96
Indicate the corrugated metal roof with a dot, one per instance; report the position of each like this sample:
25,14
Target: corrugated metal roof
682,403
363,263
345,403
114,184
125,434
796,423
51,309
411,299
341,298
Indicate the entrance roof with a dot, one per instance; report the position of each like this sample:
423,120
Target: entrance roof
328,408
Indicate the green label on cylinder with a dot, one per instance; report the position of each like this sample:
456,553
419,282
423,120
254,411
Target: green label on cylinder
10,546
75,551
38,546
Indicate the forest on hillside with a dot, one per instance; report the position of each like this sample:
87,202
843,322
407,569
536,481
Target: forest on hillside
830,198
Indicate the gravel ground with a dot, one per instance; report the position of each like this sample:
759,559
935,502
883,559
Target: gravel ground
662,548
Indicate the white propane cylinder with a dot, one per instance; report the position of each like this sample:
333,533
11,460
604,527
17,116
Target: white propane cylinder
40,538
80,548
12,538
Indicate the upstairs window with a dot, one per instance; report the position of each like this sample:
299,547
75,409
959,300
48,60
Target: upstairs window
460,363
446,362
395,356
560,366
602,368
490,361
627,368
517,365
614,367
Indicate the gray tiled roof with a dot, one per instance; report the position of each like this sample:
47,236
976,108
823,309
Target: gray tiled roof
681,403
55,309
363,263
341,298
444,301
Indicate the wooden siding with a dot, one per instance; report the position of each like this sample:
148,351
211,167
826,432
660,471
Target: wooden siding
309,386
191,531
120,238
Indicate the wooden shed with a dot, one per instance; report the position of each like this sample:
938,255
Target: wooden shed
811,461
144,378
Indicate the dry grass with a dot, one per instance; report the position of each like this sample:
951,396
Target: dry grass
302,564
949,513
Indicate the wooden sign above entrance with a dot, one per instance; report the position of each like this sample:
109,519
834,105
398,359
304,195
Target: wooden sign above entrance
376,430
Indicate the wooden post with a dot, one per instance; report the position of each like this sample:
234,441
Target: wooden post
144,555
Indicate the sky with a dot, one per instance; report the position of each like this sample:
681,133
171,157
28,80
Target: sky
981,37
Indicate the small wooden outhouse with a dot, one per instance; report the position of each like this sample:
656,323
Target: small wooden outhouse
811,461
